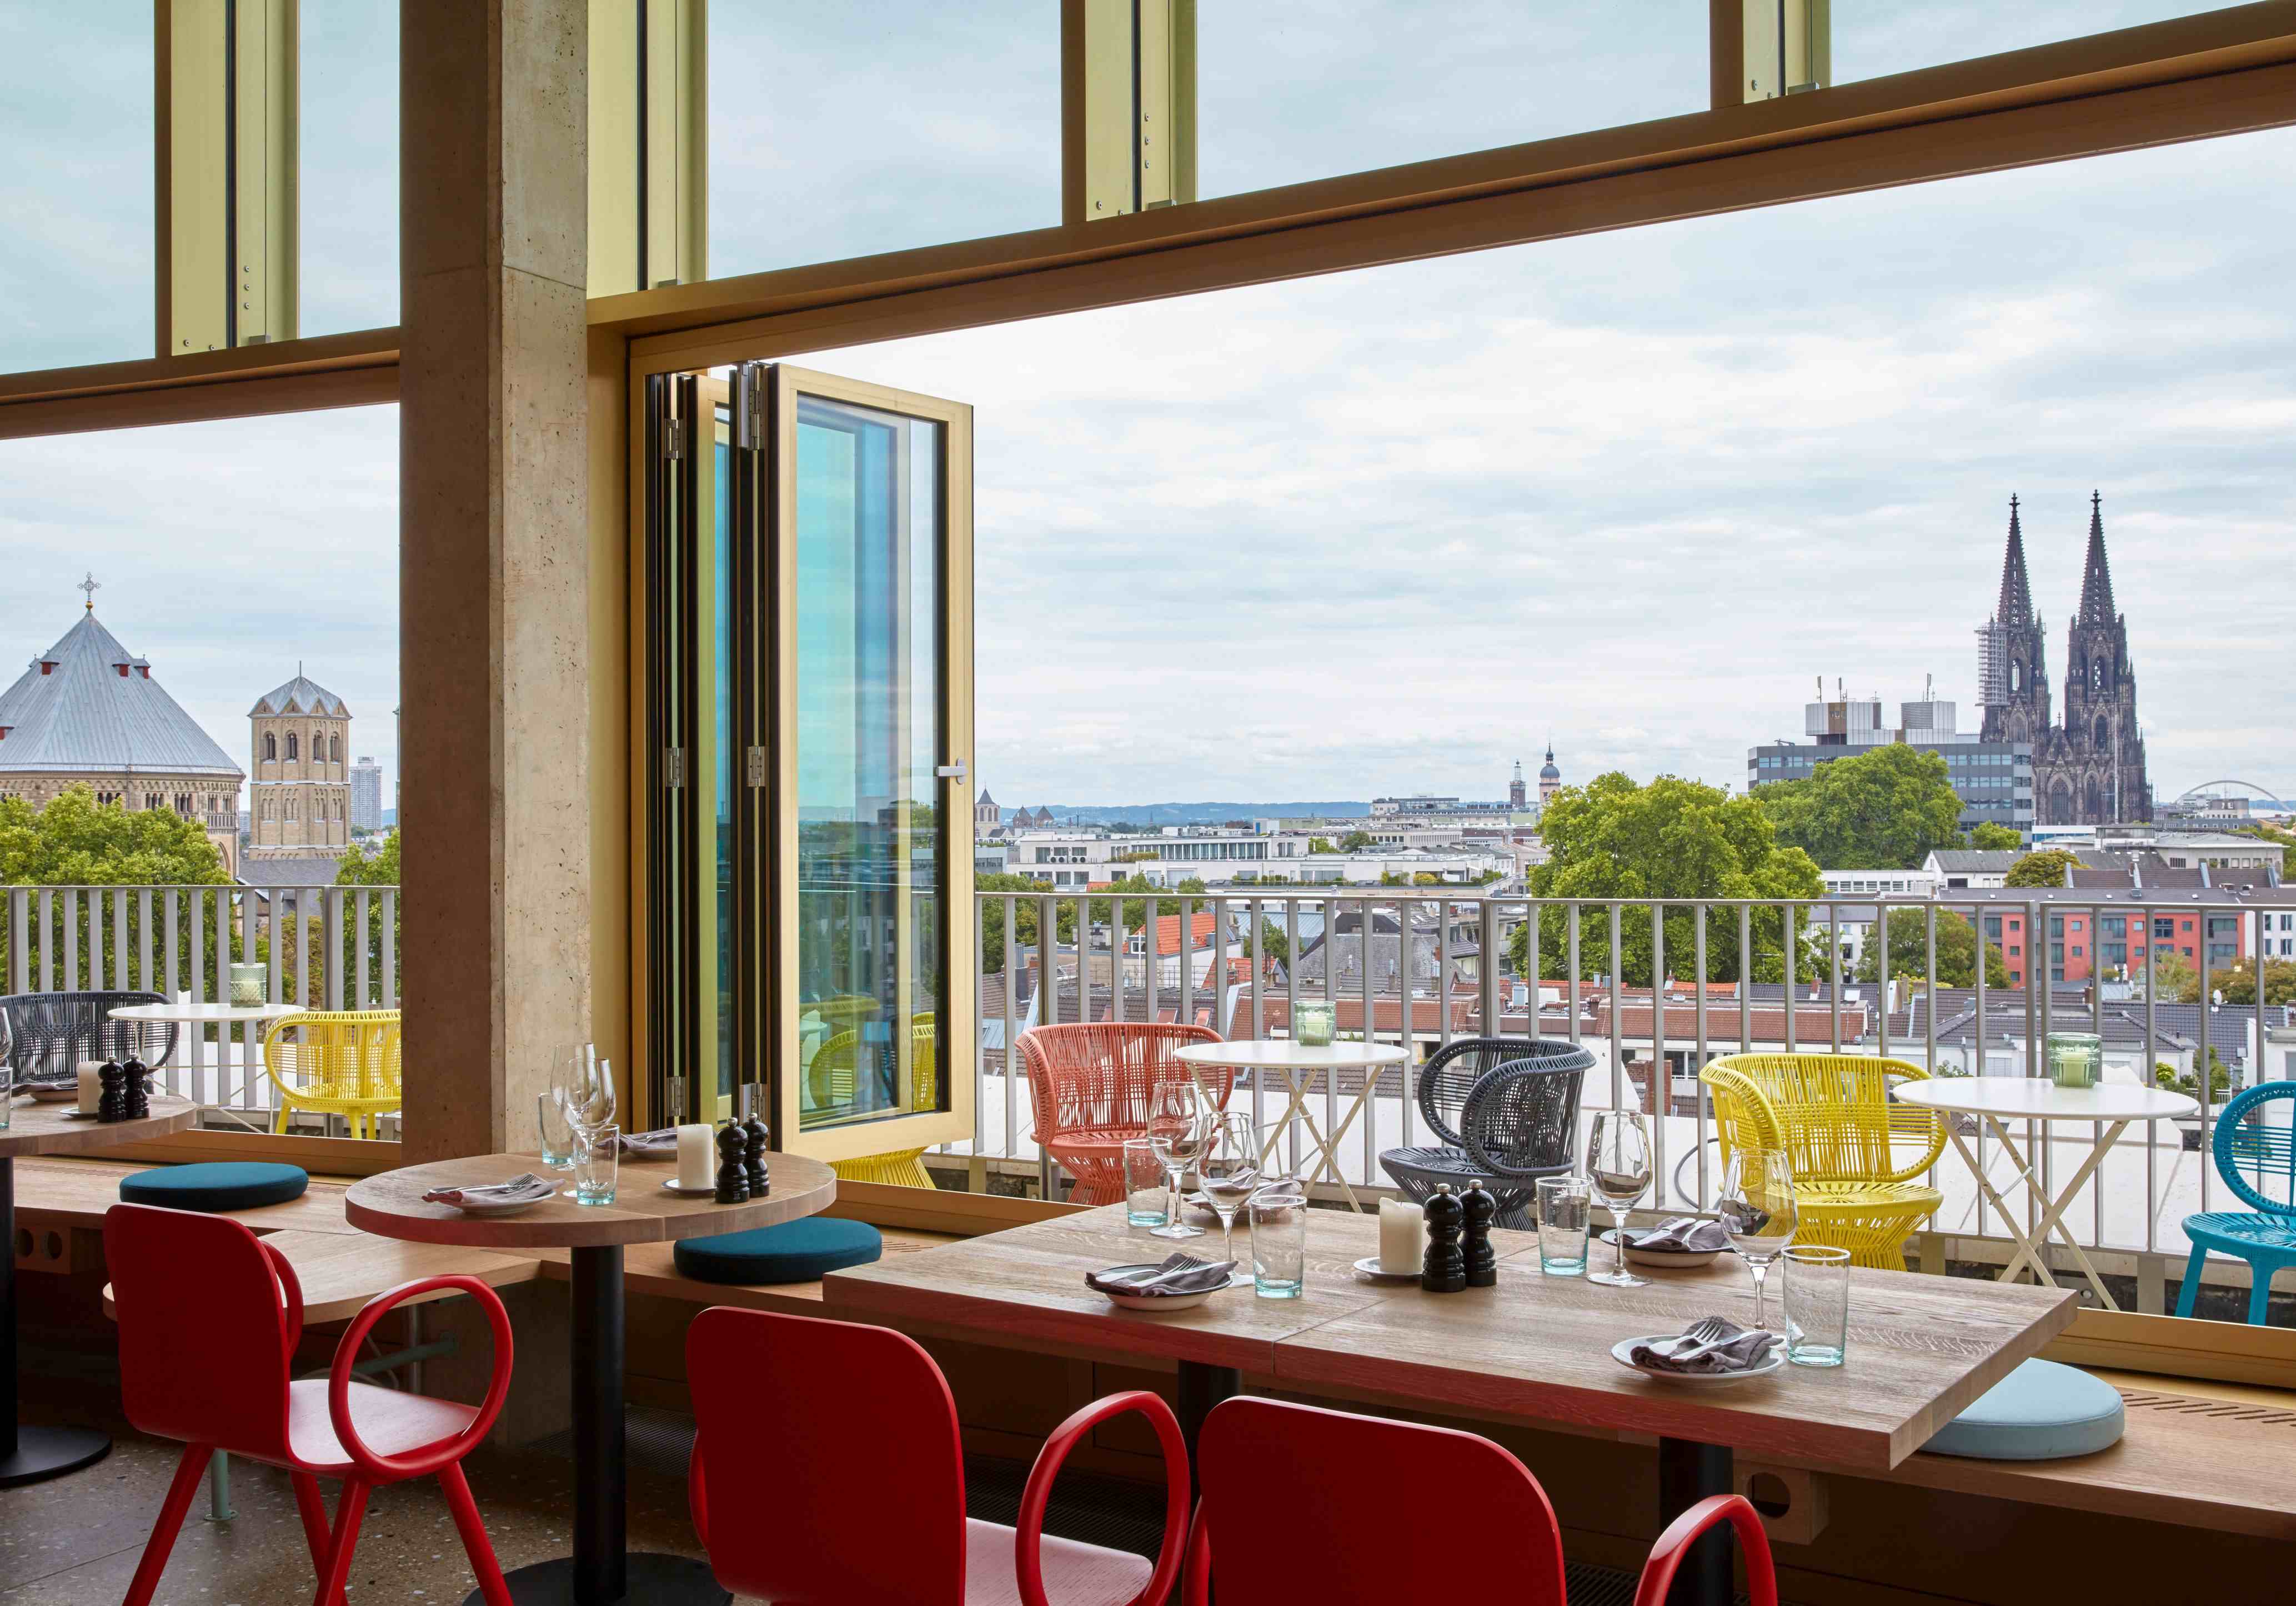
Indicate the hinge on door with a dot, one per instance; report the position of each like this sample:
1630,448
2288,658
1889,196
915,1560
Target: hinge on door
757,766
673,766
673,439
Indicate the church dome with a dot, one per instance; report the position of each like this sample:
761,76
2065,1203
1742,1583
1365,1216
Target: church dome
1547,771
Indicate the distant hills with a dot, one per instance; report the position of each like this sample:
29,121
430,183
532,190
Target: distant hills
1198,813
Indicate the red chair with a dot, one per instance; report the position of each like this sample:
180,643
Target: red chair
209,1317
832,1450
1095,1085
1272,1469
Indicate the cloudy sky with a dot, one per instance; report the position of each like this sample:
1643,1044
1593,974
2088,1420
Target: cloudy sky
1374,532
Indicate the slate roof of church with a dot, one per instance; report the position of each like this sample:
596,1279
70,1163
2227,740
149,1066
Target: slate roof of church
84,717
302,694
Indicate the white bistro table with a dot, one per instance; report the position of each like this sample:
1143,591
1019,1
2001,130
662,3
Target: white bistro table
247,1016
2108,1106
1301,1062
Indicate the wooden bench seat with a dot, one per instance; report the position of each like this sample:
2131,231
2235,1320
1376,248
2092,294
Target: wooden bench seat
52,1192
341,1272
652,1269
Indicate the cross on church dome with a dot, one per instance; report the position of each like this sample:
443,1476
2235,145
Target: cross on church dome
91,585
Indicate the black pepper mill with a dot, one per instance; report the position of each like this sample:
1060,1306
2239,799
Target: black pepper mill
113,1105
754,1136
733,1177
136,1078
1483,1262
1444,1269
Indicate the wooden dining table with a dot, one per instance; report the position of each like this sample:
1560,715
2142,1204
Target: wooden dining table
1534,1350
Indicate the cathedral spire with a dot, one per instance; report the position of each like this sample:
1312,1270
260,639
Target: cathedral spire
2015,606
2097,576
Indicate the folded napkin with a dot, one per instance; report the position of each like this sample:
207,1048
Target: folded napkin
525,1189
1683,1235
1736,1349
1180,1273
662,1141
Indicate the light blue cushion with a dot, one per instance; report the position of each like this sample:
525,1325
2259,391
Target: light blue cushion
796,1251
2039,1412
216,1185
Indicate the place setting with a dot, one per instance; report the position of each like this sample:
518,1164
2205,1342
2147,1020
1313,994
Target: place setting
1224,1150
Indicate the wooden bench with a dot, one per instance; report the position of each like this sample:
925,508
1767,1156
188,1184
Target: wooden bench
76,1193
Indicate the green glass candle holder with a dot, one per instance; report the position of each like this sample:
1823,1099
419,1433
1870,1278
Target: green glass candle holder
1315,1024
2076,1059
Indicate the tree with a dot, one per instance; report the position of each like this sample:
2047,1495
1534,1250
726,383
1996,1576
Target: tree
2237,982
1357,841
2045,866
2173,979
1885,807
1995,839
1956,951
76,841
1673,838
1321,844
371,863
1024,917
2189,1084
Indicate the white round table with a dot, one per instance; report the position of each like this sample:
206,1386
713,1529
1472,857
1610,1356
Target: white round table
1300,1063
206,1015
2108,1106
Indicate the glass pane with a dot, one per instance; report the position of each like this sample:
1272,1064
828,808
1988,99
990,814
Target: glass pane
878,138
348,129
1290,93
721,700
1873,41
868,700
76,262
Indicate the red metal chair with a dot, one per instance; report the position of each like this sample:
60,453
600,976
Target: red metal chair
209,1317
1095,1085
1273,1469
833,1449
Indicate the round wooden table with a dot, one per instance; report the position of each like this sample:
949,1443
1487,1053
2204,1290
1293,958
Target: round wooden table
601,1570
30,1453
1300,1062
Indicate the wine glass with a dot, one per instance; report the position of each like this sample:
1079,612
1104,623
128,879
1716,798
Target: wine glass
1177,1141
585,1084
1228,1171
1618,1169
1756,1206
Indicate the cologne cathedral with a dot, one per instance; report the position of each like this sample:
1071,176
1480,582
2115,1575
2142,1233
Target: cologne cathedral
2090,770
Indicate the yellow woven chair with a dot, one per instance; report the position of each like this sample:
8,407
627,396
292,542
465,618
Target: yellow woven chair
902,1168
343,1062
1856,1152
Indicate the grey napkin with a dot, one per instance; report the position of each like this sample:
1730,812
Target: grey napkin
525,1189
663,1140
1683,1235
1180,1273
1738,1350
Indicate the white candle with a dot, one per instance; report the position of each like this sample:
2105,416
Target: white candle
697,1157
1402,1235
91,1085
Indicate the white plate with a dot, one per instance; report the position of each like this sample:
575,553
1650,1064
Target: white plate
683,1191
1667,1260
56,1094
1168,1302
77,1114
1624,1347
1369,1269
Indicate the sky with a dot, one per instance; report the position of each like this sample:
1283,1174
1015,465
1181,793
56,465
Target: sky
1375,532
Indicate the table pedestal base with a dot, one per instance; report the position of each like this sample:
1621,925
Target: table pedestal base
1687,1473
50,1452
654,1580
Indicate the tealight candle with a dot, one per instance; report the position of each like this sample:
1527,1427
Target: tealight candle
1402,1235
91,1085
697,1156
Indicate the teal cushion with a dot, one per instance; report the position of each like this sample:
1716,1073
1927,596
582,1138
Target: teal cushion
796,1251
216,1185
2037,1412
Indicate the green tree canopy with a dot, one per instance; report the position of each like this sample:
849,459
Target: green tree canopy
2237,982
1357,841
1024,917
76,841
1673,838
1995,839
1321,844
1885,807
1956,951
2173,979
2044,867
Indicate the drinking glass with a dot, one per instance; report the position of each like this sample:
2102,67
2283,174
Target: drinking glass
1817,1296
557,1143
1228,1171
597,1163
1564,1210
1176,1142
1758,1209
1618,1168
1143,1184
589,1083
1279,1243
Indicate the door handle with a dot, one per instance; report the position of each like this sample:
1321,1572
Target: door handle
955,771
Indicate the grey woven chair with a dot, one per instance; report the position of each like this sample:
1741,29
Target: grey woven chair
1509,1143
51,1032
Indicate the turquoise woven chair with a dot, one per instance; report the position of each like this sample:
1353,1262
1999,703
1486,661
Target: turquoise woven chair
2258,1162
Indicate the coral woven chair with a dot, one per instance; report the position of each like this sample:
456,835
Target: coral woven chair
903,1167
210,1318
1856,1152
343,1062
2256,1157
1289,1514
1095,1085
803,1472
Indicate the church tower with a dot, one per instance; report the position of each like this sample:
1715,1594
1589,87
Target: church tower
2012,675
1518,794
1550,779
2107,779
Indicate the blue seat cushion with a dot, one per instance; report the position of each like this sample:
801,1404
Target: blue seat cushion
2039,1412
798,1251
216,1185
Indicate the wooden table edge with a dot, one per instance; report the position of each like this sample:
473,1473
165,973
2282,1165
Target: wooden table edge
480,1232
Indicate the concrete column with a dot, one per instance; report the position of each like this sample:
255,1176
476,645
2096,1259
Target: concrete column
494,565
